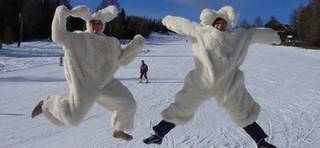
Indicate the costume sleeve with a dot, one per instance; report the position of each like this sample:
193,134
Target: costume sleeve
131,51
60,34
180,25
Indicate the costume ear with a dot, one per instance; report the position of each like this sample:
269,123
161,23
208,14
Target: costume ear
109,13
82,12
207,16
231,13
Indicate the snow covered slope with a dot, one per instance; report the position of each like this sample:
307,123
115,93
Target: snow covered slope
285,82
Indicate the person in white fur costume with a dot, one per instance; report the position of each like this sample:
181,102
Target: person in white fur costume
91,59
218,55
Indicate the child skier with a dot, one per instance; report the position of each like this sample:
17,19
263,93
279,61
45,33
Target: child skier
218,55
143,71
90,61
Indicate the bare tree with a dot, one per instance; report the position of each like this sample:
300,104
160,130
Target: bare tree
315,29
306,22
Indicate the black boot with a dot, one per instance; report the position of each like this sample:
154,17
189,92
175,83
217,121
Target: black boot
258,135
160,131
153,139
37,110
264,144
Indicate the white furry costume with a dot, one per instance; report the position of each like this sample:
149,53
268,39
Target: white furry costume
90,63
217,56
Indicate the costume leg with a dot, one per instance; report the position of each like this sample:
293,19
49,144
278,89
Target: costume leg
186,103
243,110
116,97
237,101
241,107
181,111
68,110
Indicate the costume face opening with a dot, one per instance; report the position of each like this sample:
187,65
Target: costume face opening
96,26
220,24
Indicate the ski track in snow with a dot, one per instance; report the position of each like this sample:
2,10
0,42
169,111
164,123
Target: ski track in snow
283,80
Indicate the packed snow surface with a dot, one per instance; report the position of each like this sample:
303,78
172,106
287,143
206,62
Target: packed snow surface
285,81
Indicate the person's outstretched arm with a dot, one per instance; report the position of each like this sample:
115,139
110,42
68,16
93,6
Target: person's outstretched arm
180,25
60,34
264,36
131,51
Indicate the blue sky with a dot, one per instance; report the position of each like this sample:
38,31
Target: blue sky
191,9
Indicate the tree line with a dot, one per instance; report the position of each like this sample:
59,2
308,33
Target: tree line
303,28
34,17
125,27
284,30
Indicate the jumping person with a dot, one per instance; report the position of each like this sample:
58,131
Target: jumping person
90,61
218,55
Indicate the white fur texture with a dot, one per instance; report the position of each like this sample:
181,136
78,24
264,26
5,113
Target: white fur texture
90,63
208,16
217,56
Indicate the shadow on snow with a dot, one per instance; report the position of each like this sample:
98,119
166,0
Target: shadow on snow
31,79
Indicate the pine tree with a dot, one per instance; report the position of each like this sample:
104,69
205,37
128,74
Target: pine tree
64,2
257,22
10,23
272,23
106,3
38,15
295,19
245,24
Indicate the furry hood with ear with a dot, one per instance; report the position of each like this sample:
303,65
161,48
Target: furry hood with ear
104,15
208,16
